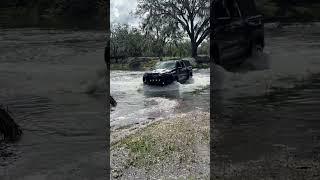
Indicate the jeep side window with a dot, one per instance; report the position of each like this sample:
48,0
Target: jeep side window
178,64
186,63
233,8
183,65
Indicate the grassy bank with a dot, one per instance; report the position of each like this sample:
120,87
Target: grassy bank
177,147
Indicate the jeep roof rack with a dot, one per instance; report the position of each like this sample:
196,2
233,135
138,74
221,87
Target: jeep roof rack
247,7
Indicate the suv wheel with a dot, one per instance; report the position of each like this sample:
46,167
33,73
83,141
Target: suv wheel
256,48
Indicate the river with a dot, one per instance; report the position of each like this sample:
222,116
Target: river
269,105
44,74
140,105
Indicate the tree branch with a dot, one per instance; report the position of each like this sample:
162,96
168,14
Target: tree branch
203,36
203,25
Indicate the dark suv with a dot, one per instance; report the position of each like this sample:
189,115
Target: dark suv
166,72
236,30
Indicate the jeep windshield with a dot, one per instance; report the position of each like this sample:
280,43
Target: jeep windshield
166,65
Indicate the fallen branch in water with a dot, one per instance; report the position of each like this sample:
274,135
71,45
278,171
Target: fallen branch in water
9,130
113,102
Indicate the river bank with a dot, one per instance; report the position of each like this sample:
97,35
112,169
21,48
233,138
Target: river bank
173,148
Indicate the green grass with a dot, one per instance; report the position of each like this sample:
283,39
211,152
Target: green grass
123,67
150,146
150,64
145,151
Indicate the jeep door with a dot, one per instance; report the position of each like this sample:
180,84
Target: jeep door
185,71
238,30
181,71
188,66
228,26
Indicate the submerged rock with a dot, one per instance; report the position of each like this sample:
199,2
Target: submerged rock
113,102
9,130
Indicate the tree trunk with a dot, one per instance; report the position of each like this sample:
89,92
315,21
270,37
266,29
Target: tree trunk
194,49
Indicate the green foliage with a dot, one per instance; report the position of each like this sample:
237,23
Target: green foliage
123,67
167,17
126,41
204,48
150,64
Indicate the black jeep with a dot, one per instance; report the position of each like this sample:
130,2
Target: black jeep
188,66
236,30
166,72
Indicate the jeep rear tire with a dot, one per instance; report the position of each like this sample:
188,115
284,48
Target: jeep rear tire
255,48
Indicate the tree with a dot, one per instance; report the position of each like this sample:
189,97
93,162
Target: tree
190,15
125,42
159,30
